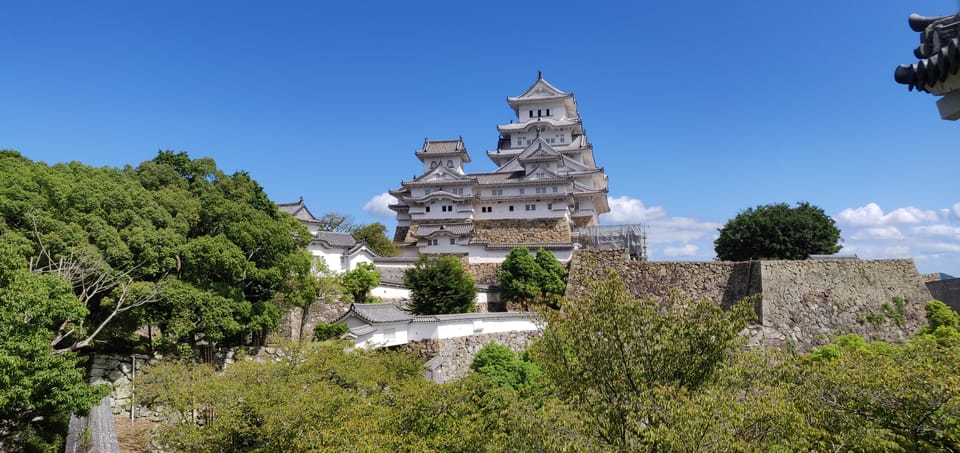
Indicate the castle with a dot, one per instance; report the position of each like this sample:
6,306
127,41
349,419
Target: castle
546,186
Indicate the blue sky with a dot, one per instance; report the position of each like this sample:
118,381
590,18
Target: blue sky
696,109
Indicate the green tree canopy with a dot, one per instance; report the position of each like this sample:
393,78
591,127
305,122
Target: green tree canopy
358,282
336,222
37,388
778,231
440,285
525,279
375,236
174,244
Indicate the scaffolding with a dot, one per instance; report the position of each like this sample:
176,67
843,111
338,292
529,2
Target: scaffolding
631,238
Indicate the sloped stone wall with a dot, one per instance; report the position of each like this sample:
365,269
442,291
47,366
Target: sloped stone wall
804,303
450,358
808,302
946,291
721,282
484,273
518,231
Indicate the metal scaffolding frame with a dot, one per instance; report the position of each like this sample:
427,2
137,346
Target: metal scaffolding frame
632,238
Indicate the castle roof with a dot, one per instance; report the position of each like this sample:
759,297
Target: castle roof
541,90
938,54
443,148
298,210
335,239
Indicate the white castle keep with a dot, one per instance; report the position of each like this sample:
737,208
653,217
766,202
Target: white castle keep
547,185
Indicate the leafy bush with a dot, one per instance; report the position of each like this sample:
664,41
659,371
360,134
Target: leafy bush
323,332
440,286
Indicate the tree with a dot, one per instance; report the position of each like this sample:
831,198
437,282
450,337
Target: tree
440,285
174,244
374,235
500,364
336,222
525,279
38,388
360,281
611,355
778,231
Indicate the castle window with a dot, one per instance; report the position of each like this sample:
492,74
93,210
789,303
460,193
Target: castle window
538,114
453,241
531,114
486,209
521,191
449,164
548,112
511,208
531,207
541,189
496,192
561,139
549,206
428,208
433,164
554,189
433,242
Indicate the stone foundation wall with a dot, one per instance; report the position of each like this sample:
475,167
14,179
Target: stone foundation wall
319,312
804,303
946,291
721,282
483,273
450,358
518,231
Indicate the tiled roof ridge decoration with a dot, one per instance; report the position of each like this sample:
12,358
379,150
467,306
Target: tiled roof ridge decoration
938,53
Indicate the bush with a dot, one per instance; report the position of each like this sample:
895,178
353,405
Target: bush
323,332
440,286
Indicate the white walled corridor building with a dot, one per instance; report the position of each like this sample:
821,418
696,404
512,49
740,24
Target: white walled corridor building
546,185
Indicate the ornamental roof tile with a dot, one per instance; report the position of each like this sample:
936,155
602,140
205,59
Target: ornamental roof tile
938,53
298,210
335,239
457,229
375,313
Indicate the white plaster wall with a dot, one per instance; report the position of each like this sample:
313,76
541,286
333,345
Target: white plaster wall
480,254
333,260
391,293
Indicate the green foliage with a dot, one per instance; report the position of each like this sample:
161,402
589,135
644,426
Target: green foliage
500,365
323,331
358,282
440,285
778,231
174,244
875,396
943,324
37,388
525,279
336,222
375,236
609,354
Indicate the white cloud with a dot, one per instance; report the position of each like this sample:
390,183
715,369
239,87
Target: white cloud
872,215
897,250
624,209
944,247
883,233
932,237
680,229
685,250
937,230
378,205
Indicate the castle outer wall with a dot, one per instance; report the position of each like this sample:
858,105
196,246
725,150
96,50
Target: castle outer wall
804,303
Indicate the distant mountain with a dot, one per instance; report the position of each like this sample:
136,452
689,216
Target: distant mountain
945,276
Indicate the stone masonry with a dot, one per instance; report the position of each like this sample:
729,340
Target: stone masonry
450,358
521,231
804,303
